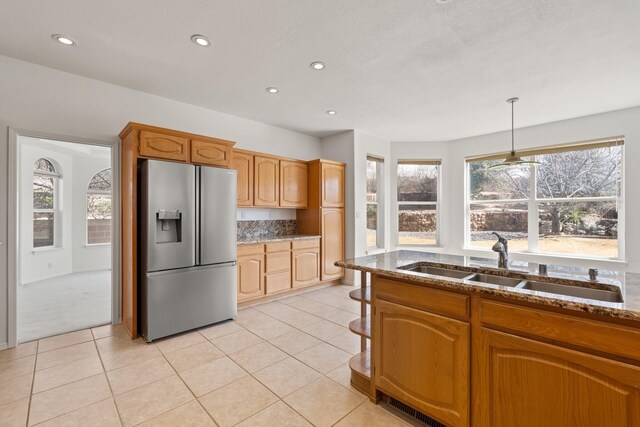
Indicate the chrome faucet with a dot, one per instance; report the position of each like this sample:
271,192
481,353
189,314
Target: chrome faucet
502,247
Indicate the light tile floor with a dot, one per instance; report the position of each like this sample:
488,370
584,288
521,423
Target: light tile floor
281,363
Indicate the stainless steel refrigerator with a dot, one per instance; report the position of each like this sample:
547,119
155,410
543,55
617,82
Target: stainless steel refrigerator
187,247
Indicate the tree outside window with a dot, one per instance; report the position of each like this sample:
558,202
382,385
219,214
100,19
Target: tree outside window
99,208
568,204
45,204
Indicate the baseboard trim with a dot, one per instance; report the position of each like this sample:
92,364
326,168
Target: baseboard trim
288,293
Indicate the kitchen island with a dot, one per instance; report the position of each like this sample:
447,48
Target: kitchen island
466,343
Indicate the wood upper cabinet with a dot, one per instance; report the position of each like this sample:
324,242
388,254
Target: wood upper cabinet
250,277
163,146
423,359
213,153
243,164
332,246
332,185
293,184
305,260
266,179
528,383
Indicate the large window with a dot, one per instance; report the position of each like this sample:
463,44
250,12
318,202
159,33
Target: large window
99,208
375,206
417,186
569,204
45,203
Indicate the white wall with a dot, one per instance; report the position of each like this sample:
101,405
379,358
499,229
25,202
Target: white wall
43,263
85,166
366,144
40,98
78,164
259,214
622,122
4,203
352,148
51,101
340,148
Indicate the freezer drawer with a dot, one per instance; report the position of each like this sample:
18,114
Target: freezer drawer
181,300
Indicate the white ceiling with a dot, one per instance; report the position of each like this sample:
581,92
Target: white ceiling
399,69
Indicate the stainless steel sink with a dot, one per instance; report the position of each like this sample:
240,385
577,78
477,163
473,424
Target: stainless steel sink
436,271
495,280
574,291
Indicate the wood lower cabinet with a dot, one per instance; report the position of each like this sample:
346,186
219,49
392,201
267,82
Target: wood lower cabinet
293,184
332,246
211,153
243,164
250,268
266,181
163,146
529,383
422,359
305,260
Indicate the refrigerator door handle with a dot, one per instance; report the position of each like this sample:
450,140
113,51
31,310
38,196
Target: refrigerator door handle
198,232
189,269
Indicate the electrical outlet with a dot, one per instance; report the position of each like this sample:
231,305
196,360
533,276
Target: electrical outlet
49,265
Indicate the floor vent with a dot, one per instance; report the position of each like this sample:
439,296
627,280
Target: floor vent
425,419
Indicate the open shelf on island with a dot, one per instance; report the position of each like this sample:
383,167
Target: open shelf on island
361,294
361,326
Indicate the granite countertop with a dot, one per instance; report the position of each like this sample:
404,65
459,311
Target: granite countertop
274,238
388,264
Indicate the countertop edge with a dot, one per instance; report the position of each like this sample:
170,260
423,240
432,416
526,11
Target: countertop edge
561,301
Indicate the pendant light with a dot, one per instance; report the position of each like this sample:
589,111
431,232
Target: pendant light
512,159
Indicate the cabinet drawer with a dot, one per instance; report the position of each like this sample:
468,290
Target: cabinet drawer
161,146
278,282
279,246
303,244
422,297
279,261
605,337
250,249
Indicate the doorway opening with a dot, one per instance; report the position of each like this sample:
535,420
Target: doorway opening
64,279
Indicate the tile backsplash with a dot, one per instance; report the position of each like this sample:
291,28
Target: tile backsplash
257,228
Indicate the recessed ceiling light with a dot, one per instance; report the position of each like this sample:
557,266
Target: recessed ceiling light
331,112
317,65
443,1
272,90
67,41
201,40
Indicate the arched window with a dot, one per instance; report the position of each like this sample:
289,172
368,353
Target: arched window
45,203
99,208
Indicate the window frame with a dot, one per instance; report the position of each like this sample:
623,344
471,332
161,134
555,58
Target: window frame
89,192
379,203
438,164
56,175
533,201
